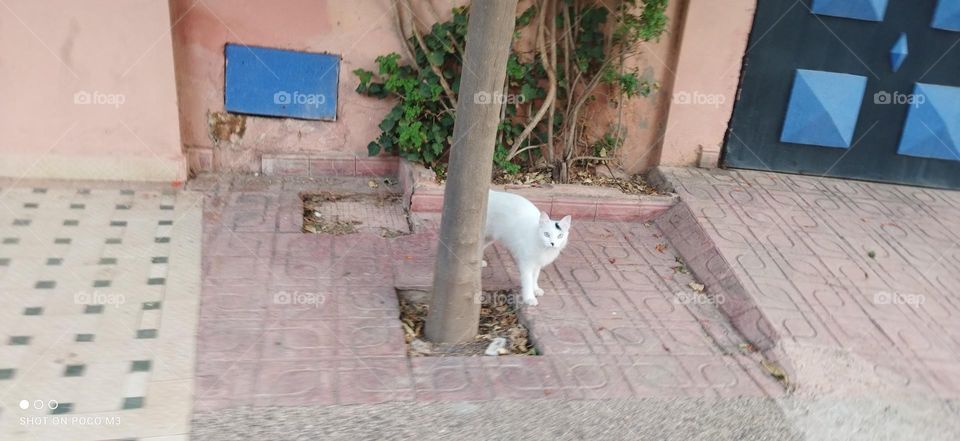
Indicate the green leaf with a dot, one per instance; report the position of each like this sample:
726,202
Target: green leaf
435,58
365,75
373,149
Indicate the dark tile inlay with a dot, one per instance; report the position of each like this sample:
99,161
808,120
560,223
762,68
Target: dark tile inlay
123,206
31,205
39,190
71,223
21,222
6,374
162,240
62,408
19,340
74,370
166,222
11,240
5,262
83,191
54,261
77,206
156,281
118,223
33,310
93,309
160,259
151,305
114,241
84,337
101,283
45,284
166,207
107,261
132,403
140,366
126,192
62,241
146,333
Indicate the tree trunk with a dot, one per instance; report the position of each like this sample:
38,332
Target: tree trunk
454,310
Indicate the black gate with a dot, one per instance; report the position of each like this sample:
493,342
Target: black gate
866,89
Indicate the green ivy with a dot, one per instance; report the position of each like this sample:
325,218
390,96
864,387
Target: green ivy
420,126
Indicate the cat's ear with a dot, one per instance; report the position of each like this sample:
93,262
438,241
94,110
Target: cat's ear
544,218
565,222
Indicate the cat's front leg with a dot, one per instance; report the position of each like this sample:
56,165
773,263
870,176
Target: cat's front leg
536,282
528,283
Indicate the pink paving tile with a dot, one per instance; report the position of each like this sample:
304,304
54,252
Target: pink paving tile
333,166
450,379
377,166
375,380
300,339
579,209
296,383
592,377
222,384
522,377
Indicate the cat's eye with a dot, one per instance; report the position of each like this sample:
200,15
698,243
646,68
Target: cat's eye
546,234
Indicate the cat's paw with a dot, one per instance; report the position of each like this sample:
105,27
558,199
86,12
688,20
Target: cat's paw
538,292
483,264
531,301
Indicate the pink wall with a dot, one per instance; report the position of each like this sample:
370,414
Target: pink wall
88,91
713,44
359,31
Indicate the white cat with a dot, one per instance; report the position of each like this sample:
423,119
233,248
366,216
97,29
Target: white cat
532,238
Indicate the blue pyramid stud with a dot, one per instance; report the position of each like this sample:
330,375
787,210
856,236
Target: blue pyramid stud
823,108
898,52
870,10
932,129
947,15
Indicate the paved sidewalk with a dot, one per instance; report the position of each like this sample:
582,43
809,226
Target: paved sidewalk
852,285
300,319
100,291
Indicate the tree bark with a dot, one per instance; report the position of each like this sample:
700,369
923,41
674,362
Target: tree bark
454,315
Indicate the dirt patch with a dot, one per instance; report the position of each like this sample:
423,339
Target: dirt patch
635,184
498,319
226,126
339,214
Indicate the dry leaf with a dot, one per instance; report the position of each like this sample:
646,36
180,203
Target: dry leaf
696,287
372,184
661,247
775,371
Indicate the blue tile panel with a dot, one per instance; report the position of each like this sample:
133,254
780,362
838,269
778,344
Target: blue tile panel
870,10
932,129
823,108
947,15
275,82
899,52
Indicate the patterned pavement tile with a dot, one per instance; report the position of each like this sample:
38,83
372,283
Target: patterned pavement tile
861,271
100,289
290,318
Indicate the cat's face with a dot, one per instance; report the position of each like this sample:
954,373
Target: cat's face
553,233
